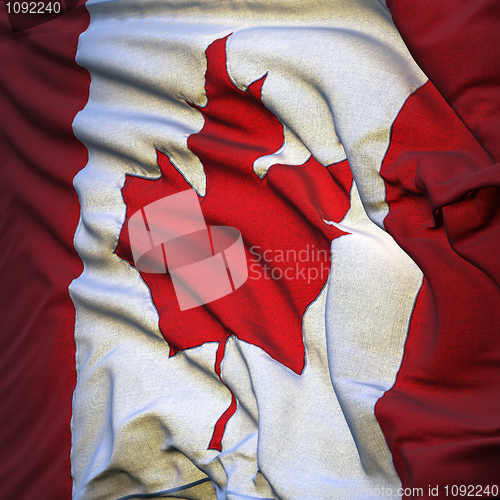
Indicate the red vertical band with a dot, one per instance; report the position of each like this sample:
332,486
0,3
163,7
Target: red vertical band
42,88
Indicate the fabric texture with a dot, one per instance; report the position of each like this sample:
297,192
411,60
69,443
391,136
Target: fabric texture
346,152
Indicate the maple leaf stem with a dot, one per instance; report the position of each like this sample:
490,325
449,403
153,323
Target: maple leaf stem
220,426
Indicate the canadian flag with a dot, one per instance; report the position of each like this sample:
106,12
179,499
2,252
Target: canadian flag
250,250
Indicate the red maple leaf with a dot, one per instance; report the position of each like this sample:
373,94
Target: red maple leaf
280,217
